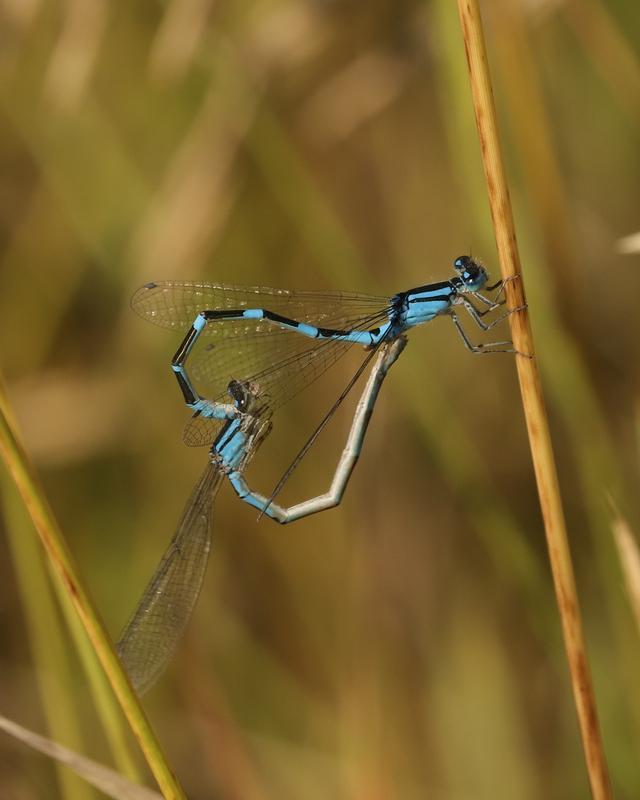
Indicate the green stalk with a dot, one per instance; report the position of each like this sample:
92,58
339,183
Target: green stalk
62,563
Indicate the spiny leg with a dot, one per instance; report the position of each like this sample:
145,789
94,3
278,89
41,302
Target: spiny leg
481,348
494,302
477,315
387,357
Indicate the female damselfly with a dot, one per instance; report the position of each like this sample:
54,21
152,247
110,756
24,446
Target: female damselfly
150,637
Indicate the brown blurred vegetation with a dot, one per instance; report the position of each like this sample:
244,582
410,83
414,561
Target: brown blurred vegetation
405,645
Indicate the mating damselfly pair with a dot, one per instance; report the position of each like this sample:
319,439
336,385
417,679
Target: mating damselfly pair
265,346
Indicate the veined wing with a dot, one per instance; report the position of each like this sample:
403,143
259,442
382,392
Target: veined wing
155,627
282,362
175,304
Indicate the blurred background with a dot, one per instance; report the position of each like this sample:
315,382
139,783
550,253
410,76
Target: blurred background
405,645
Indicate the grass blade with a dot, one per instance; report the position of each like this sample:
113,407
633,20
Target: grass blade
97,775
629,554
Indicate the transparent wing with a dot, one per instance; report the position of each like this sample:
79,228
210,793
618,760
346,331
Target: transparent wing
175,304
282,365
282,362
155,627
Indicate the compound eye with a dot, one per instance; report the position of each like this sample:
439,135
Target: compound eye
475,278
237,391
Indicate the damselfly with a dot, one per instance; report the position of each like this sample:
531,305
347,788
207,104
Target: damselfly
151,635
267,345
283,340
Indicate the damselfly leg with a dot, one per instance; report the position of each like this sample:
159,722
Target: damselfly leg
499,299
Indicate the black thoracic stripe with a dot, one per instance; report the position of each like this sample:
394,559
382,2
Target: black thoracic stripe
430,287
225,432
188,395
430,299
181,352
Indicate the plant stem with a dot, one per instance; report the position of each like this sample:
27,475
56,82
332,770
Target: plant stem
533,401
62,562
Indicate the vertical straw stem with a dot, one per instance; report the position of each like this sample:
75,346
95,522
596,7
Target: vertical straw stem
533,401
24,476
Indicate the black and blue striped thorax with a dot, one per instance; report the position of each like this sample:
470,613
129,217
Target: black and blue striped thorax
426,302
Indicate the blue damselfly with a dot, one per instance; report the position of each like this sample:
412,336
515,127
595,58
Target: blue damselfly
283,340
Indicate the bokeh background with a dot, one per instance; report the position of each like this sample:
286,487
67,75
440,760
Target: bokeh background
405,645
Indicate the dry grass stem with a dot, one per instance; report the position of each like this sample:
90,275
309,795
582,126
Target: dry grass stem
111,783
533,402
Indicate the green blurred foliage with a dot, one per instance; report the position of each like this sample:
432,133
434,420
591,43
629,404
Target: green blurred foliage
405,645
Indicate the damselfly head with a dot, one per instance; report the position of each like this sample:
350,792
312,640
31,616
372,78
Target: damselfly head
240,393
247,397
473,275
